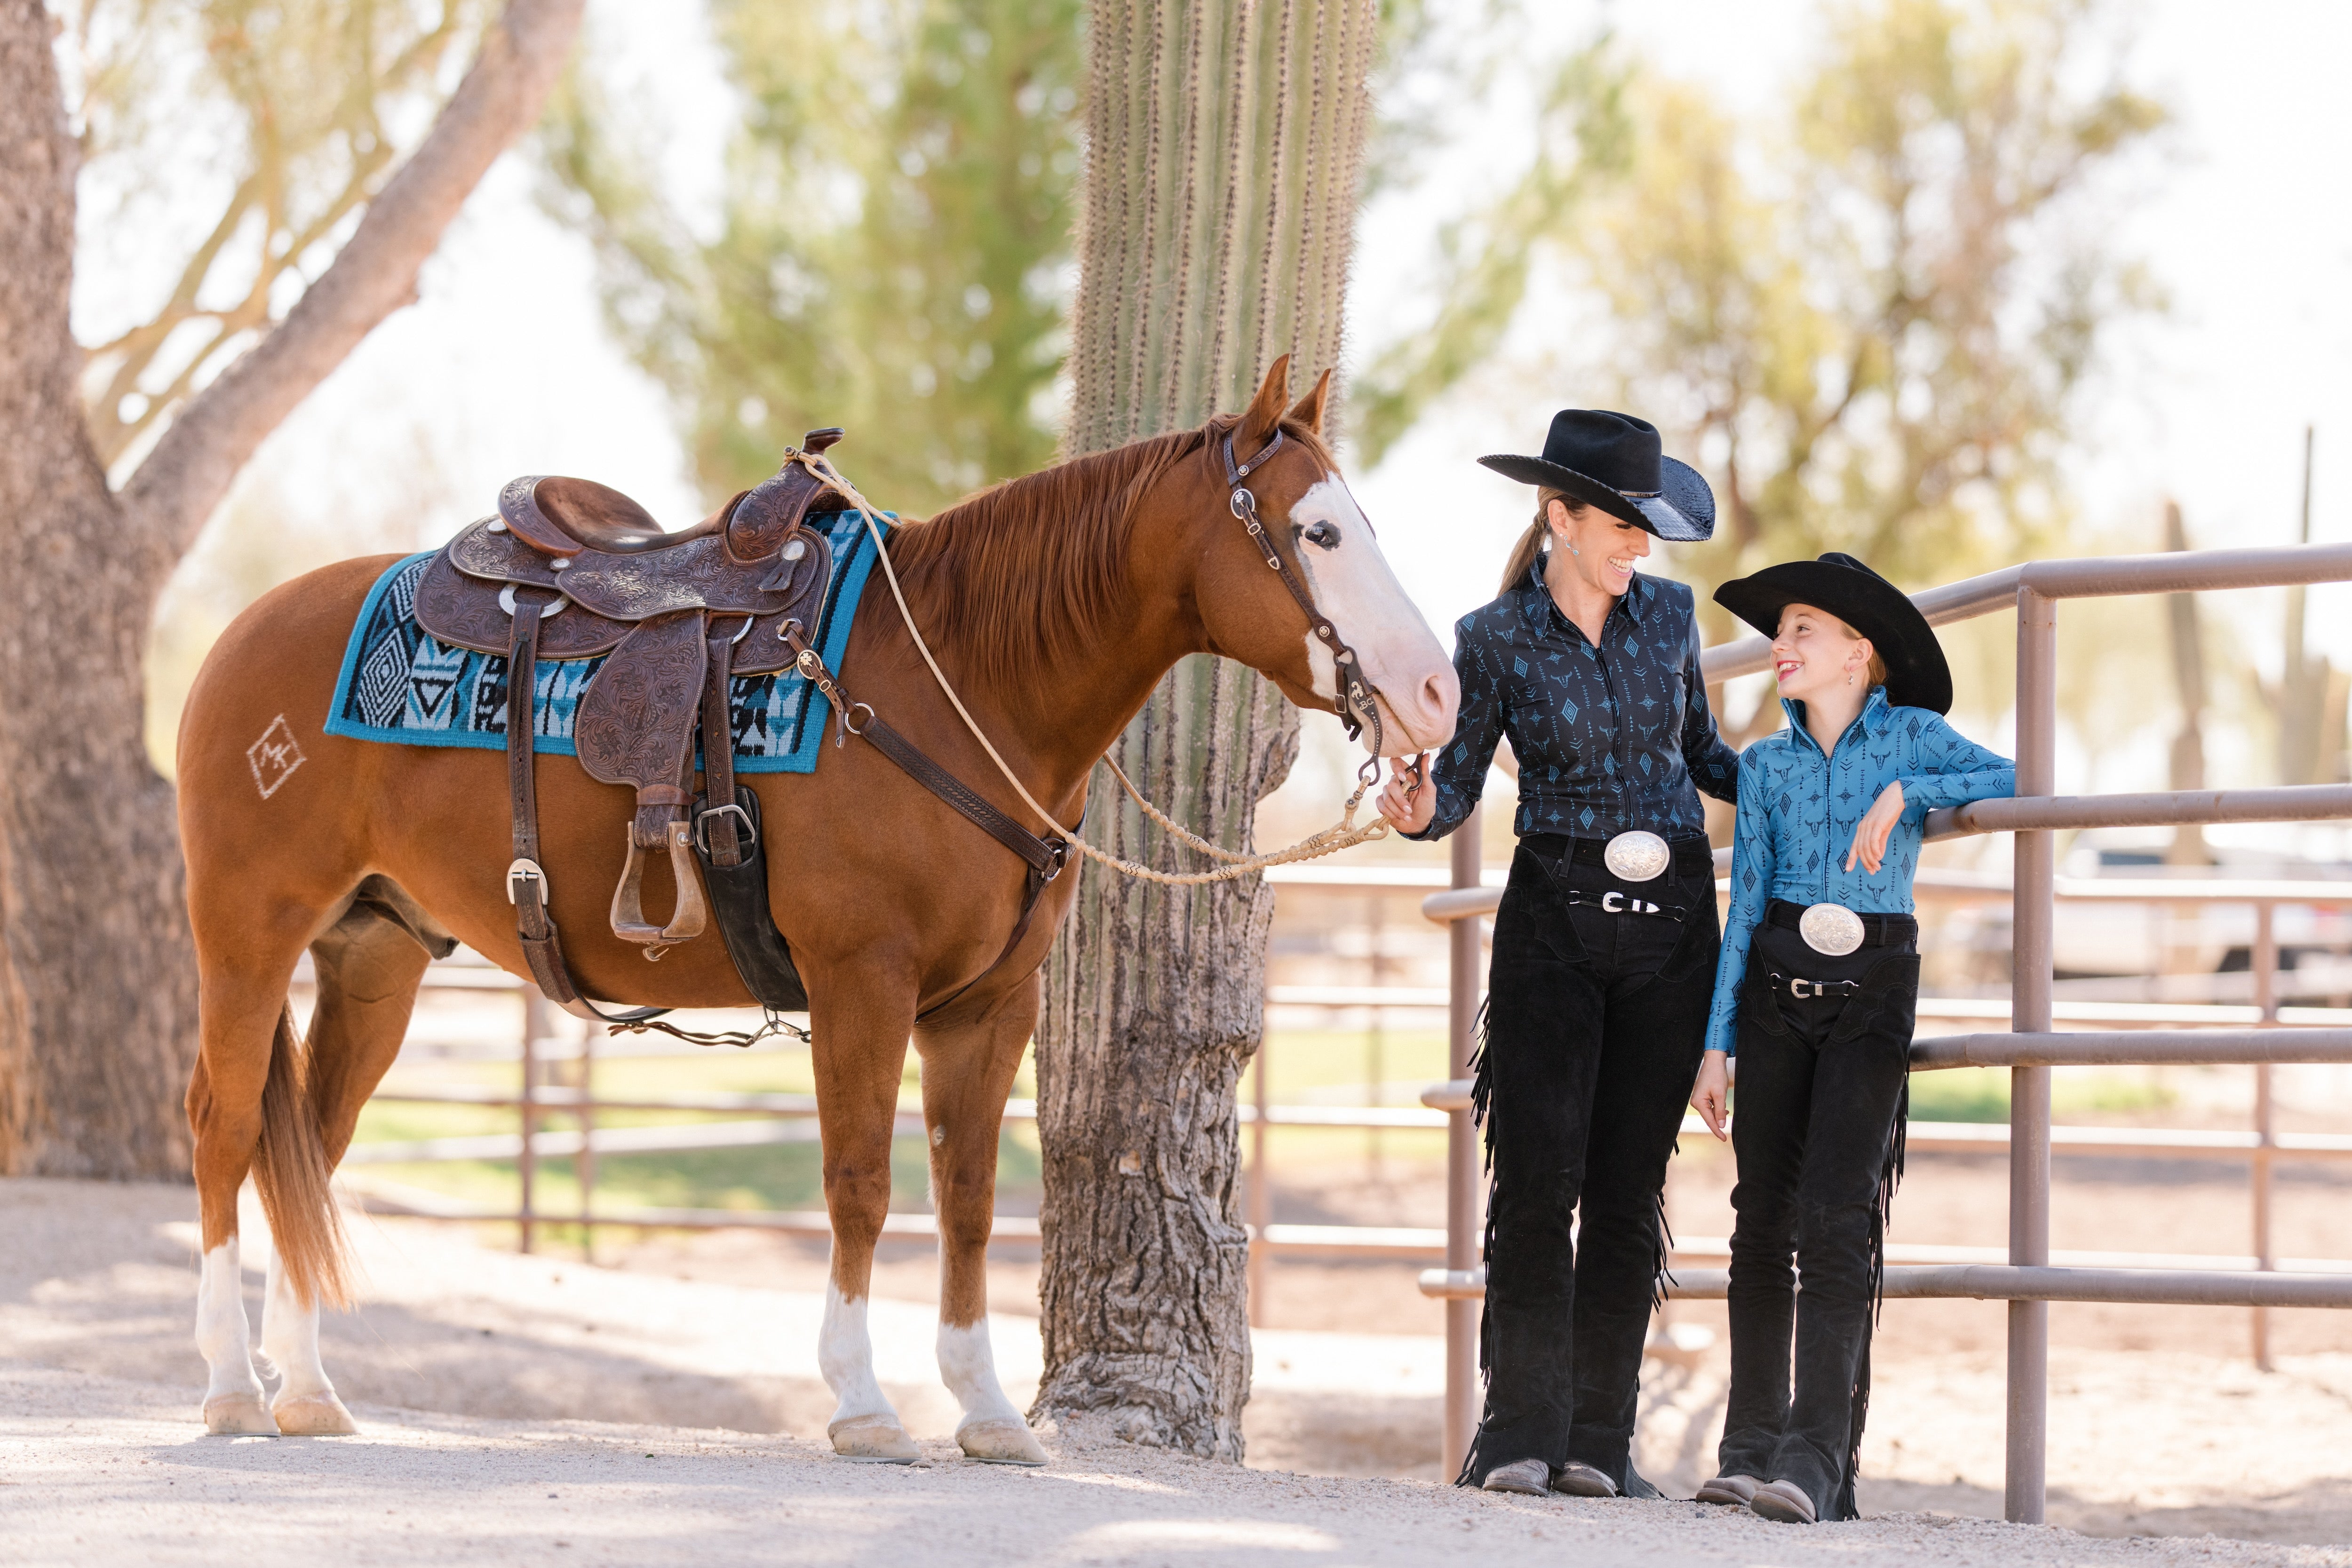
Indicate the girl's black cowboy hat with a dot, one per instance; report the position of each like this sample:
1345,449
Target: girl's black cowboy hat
1612,461
1916,675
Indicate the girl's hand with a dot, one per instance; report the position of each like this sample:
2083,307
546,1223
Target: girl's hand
1711,1096
1408,802
1870,834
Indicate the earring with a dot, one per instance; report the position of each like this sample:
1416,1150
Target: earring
1849,677
1572,550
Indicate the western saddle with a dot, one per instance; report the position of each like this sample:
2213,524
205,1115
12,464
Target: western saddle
570,569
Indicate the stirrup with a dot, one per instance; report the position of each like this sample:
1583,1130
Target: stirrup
687,917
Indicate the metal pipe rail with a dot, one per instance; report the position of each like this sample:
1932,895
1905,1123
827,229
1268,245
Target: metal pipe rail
2000,1282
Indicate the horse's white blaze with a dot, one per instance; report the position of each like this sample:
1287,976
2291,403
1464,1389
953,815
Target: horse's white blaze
1358,593
968,1366
845,1354
223,1331
290,1338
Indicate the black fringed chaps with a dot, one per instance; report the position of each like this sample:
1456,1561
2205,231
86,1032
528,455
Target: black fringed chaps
1591,1039
1817,1126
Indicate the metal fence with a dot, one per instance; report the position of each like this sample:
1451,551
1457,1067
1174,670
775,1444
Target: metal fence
2029,1281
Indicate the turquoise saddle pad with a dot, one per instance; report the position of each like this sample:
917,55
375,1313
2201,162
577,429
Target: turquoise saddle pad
400,684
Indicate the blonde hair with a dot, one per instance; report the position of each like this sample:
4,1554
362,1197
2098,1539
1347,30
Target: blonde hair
1531,542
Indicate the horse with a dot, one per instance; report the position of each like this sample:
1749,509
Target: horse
1054,603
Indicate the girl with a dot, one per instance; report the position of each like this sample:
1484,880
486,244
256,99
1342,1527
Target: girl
1605,945
1816,988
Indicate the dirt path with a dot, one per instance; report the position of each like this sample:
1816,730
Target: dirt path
549,1375
100,1472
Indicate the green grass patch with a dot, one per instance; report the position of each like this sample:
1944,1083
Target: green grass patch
1981,1094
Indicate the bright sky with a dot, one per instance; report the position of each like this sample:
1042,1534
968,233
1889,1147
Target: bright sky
505,368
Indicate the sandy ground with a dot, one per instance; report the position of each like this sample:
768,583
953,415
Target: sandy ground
547,1375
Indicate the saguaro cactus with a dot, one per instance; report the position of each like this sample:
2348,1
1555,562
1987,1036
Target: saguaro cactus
1224,141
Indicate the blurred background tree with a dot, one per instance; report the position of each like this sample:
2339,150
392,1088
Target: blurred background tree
229,148
1869,315
893,249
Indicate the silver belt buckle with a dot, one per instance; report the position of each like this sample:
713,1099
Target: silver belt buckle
1637,857
1832,930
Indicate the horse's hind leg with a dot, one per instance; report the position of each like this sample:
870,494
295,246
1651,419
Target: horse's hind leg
968,1071
245,1027
368,964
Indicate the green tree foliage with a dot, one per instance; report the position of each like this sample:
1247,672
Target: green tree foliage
1876,337
893,251
1869,313
228,149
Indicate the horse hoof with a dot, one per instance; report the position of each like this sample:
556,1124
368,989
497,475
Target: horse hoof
872,1440
238,1415
314,1416
1000,1442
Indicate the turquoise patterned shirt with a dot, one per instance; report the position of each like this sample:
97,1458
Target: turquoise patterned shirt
1799,810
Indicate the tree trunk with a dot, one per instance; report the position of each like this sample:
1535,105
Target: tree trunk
1226,139
98,1014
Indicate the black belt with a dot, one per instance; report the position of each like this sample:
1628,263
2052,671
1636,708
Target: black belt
1617,902
1805,990
1691,855
1877,931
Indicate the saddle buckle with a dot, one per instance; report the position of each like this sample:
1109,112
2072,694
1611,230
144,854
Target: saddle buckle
1613,901
1802,989
702,827
526,870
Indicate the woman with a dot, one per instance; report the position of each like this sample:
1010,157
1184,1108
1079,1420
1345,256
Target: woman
1816,989
1604,946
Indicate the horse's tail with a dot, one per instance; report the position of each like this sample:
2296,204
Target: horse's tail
291,1171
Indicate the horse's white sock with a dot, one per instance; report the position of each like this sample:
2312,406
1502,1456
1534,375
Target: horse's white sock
844,1353
290,1337
968,1366
223,1331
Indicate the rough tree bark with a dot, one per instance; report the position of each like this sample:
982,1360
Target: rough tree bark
1224,142
98,1016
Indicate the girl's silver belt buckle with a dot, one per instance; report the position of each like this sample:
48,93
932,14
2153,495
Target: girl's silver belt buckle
1832,930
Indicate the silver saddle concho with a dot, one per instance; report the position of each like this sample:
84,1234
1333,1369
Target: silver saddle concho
1830,930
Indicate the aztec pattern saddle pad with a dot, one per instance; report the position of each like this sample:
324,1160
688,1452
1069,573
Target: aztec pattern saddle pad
401,685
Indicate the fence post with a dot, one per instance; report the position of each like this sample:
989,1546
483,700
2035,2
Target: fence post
1261,1184
2266,999
1462,1227
2032,919
585,1166
535,1022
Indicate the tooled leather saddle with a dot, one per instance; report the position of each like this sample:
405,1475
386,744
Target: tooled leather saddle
571,569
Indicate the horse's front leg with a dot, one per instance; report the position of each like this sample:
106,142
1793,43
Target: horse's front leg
859,1054
968,1070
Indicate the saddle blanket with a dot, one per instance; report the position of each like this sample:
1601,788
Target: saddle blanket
400,684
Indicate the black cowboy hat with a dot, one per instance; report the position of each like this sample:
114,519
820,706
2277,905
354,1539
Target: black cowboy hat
1916,675
1612,461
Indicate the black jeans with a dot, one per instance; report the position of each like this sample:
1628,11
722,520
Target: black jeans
1816,1127
1595,1021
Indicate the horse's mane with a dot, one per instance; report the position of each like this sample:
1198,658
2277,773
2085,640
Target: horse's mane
1024,574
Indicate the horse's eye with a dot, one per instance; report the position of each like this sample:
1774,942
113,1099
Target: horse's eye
1322,535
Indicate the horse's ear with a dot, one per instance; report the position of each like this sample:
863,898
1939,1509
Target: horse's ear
1308,410
1265,412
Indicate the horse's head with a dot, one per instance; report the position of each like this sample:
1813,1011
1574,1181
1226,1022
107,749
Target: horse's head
1332,603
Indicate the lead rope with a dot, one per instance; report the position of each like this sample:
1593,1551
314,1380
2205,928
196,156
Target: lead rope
1343,833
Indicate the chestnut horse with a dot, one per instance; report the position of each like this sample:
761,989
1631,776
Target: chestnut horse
1054,603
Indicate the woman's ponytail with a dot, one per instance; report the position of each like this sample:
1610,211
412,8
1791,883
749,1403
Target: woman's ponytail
1531,542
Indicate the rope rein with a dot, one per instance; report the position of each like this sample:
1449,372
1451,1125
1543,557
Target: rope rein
1343,833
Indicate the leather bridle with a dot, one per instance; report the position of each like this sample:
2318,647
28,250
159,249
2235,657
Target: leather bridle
1356,701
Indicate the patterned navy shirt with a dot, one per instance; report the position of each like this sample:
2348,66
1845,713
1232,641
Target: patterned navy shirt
1608,738
1798,809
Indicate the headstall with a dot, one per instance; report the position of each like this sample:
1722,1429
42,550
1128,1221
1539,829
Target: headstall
1356,701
